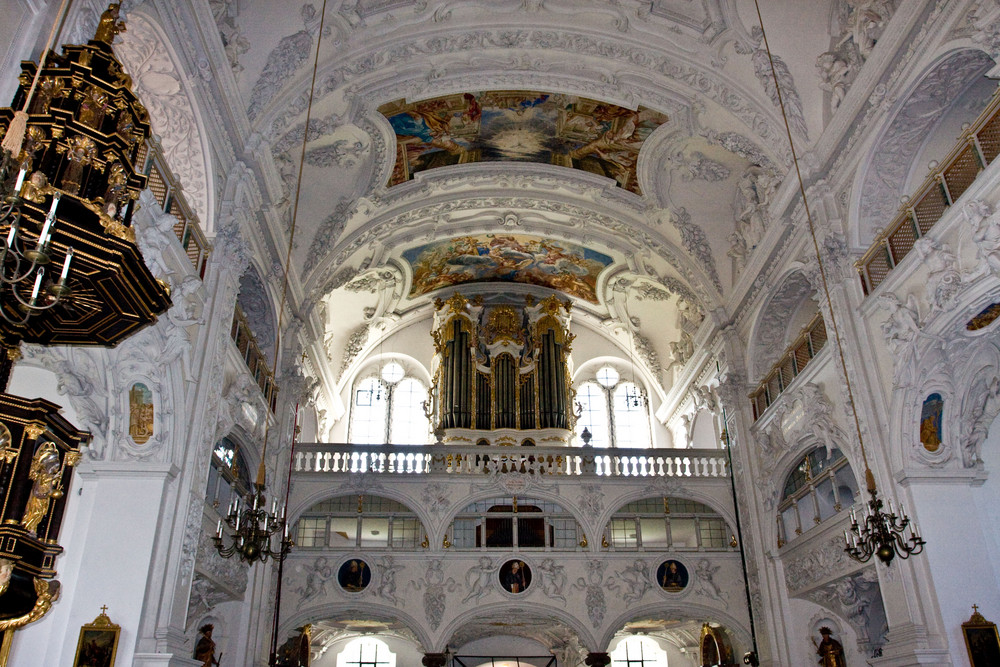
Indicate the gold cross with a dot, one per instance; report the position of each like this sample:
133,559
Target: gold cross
975,608
104,610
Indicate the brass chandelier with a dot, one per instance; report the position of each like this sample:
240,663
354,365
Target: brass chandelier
879,533
253,527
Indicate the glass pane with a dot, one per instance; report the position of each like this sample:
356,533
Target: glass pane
791,518
654,533
623,533
824,498
368,413
564,533
406,533
594,416
374,532
607,376
311,533
713,533
847,486
393,372
463,533
409,424
343,531
631,423
682,533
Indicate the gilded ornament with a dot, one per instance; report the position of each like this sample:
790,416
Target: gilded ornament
72,457
109,24
33,430
45,472
47,592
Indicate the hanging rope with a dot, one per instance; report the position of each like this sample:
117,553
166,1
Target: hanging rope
869,477
291,231
14,139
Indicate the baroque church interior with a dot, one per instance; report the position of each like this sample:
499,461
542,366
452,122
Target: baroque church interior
563,332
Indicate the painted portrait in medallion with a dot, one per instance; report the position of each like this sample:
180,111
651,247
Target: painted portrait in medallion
520,126
515,576
140,413
672,576
354,575
559,265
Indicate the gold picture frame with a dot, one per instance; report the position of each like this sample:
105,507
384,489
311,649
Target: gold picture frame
98,642
981,640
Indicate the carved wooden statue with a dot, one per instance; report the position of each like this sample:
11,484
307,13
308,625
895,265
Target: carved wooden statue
830,651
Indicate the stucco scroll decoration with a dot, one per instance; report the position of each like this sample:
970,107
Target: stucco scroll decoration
283,60
696,242
160,85
858,598
762,70
576,43
435,588
980,407
985,225
819,563
594,587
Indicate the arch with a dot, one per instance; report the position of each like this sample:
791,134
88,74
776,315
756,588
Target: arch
774,320
501,609
880,182
685,609
255,302
161,83
357,608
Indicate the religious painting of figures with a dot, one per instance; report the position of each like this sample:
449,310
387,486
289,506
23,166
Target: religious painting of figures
981,640
515,576
930,422
520,126
98,643
559,265
354,575
672,576
140,413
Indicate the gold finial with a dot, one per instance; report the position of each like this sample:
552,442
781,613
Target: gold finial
732,541
426,543
583,543
445,543
109,25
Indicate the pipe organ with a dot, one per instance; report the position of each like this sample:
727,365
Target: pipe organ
502,371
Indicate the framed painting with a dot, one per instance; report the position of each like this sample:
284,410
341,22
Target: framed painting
98,643
981,640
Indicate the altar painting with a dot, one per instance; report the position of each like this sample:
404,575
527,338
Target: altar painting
520,126
559,265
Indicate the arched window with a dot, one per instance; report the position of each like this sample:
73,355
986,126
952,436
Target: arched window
369,522
388,408
367,652
662,523
228,476
638,651
613,411
821,485
514,522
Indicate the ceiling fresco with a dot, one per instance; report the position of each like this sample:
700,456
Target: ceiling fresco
520,126
567,267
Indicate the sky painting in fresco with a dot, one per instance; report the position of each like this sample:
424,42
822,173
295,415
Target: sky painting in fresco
566,267
520,126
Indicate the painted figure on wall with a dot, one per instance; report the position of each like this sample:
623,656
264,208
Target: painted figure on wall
830,651
140,417
930,422
520,126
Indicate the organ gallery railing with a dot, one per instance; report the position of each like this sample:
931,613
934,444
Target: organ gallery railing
977,149
255,360
541,461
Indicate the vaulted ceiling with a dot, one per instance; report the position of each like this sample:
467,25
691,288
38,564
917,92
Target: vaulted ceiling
630,155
